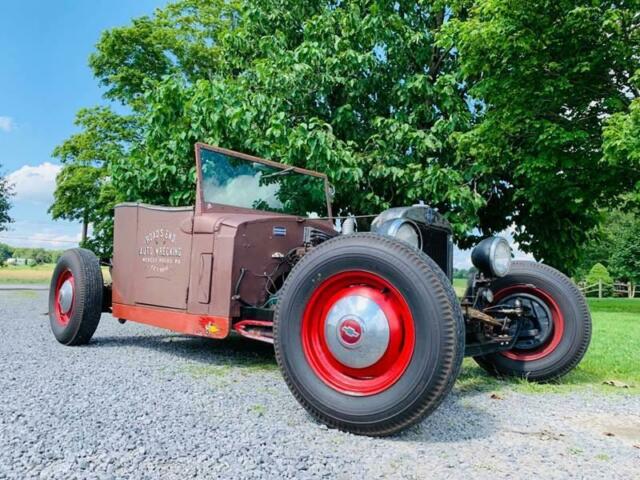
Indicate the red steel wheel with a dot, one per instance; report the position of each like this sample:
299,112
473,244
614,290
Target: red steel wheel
64,296
554,332
546,322
368,334
357,333
75,297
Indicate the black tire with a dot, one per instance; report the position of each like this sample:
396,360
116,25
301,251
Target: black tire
78,324
436,317
574,337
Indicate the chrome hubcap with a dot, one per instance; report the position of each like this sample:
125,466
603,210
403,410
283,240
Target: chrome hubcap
66,296
357,331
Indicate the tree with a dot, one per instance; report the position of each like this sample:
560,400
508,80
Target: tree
491,111
6,252
463,272
548,74
599,275
6,191
83,186
625,259
77,191
332,89
622,142
614,244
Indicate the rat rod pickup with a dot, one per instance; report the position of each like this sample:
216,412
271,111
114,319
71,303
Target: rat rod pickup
367,329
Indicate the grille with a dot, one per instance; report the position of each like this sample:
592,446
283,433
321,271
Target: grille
438,245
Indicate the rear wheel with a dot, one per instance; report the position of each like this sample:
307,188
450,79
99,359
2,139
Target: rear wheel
368,334
555,330
75,297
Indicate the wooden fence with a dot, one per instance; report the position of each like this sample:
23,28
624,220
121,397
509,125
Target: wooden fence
615,289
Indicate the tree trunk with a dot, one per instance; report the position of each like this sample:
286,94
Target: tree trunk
85,227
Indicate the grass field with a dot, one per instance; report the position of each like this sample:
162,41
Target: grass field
614,354
23,274
459,285
38,274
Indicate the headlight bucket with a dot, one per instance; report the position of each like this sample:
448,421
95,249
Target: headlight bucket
402,229
492,256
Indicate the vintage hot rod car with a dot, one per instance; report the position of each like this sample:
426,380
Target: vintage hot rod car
367,329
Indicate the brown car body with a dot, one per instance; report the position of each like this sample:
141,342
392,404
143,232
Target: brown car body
191,269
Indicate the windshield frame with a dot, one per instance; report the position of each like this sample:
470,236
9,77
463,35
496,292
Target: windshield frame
202,206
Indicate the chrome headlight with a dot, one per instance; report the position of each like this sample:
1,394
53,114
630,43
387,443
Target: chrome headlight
402,229
492,256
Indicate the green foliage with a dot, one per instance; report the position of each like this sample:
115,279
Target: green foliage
614,243
6,252
77,189
625,259
597,274
491,111
462,272
6,191
622,141
342,90
37,256
547,74
84,190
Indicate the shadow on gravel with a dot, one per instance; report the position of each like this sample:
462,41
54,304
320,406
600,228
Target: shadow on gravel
232,351
457,419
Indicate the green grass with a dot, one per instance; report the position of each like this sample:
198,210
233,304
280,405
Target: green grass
259,410
614,354
38,274
23,274
615,305
459,285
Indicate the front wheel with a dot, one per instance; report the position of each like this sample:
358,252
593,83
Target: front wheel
368,334
556,327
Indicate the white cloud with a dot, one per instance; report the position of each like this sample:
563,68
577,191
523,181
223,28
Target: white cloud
6,124
35,184
52,240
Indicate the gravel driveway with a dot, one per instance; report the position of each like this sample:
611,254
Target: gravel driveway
144,403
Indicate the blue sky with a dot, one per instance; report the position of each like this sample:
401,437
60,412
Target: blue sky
44,80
